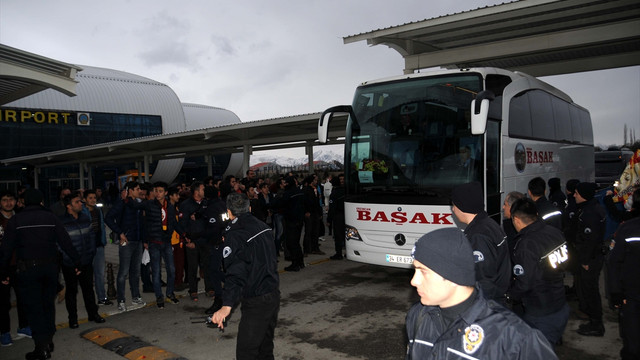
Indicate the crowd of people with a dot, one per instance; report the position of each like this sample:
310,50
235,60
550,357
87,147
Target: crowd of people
181,226
230,232
507,283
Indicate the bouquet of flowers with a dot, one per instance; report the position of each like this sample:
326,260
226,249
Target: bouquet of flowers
376,166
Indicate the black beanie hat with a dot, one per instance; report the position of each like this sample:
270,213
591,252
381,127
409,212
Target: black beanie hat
447,252
586,190
571,185
33,197
468,197
554,183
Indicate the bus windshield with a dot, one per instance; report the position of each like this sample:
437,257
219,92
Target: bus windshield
412,138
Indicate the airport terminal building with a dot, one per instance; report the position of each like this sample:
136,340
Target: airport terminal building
110,105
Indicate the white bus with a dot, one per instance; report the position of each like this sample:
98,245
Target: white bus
410,139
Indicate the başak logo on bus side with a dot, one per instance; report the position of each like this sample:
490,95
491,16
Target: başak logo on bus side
524,156
402,217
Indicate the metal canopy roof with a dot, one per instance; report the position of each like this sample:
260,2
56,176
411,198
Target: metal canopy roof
294,131
23,74
538,37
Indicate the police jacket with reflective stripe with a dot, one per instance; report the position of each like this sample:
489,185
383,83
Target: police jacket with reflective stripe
485,330
590,231
250,259
491,252
536,282
194,227
624,260
549,213
35,234
214,217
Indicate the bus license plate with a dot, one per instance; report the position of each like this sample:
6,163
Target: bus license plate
399,259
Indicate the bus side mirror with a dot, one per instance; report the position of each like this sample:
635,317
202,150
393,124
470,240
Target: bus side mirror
325,119
480,111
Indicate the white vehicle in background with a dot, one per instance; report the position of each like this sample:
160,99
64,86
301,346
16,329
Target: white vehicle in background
410,139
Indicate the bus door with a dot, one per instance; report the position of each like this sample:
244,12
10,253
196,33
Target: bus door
492,173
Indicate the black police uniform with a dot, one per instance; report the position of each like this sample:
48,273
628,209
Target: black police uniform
588,245
252,278
292,203
195,229
538,259
485,330
215,217
491,254
624,282
549,212
35,234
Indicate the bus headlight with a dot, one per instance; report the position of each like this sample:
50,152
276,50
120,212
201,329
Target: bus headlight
351,233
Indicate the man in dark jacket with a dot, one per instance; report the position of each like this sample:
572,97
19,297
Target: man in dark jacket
624,260
292,203
588,243
312,216
98,228
488,241
556,196
35,235
198,248
216,219
538,259
252,278
546,210
126,222
78,225
453,319
569,229
160,223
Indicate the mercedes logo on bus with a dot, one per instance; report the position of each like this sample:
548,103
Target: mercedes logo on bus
520,157
400,239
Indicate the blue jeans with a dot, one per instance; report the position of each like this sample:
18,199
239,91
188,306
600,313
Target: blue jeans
130,257
158,252
98,273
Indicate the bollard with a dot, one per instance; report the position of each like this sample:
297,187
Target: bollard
111,288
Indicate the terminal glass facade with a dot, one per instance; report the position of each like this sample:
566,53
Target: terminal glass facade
27,131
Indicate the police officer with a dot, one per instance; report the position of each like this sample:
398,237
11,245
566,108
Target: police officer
538,258
624,265
198,248
489,242
588,243
216,219
35,235
548,212
569,228
507,221
452,320
292,204
557,197
252,278
335,217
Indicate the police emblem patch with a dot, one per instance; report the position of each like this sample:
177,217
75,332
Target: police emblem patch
226,252
472,338
478,256
518,270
